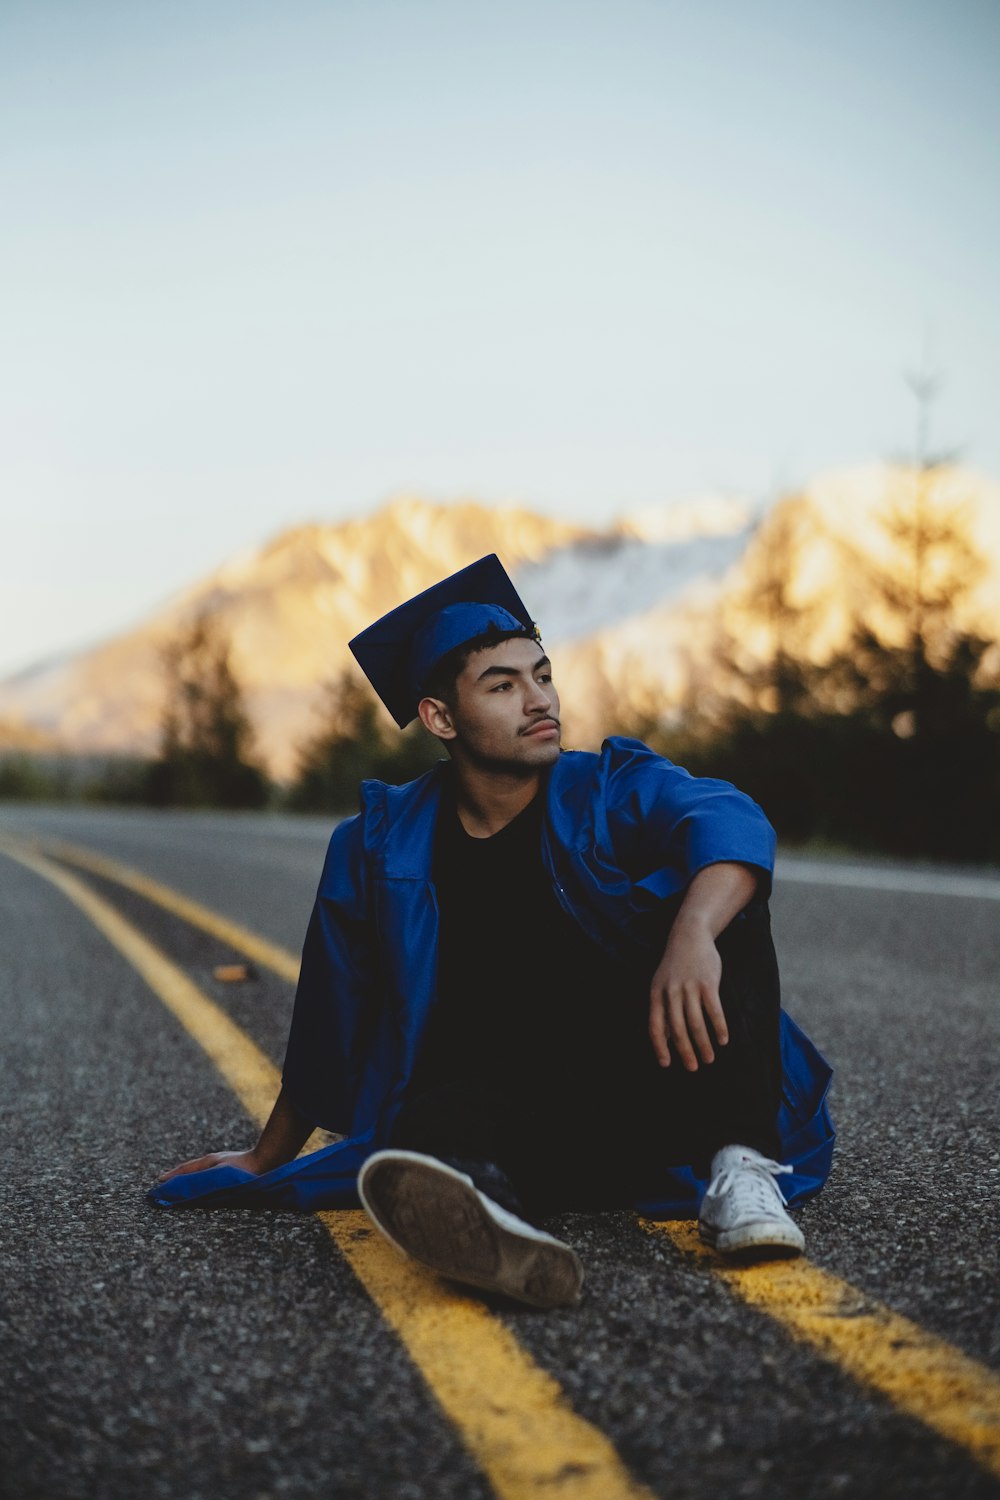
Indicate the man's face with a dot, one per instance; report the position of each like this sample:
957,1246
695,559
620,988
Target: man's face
506,709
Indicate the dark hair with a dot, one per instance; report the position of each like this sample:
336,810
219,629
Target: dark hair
440,681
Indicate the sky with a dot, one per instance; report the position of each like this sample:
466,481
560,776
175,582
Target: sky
264,264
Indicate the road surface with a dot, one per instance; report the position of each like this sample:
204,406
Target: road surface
254,1354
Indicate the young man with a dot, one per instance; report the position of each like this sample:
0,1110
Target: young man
533,979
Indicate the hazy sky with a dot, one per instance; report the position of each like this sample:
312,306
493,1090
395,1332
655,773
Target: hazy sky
265,263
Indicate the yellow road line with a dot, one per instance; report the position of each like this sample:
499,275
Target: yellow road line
244,1067
919,1373
279,960
512,1416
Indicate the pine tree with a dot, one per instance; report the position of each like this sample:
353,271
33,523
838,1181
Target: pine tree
930,572
206,757
918,692
350,745
893,743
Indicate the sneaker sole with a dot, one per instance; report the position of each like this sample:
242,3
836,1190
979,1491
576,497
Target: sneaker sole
786,1239
435,1215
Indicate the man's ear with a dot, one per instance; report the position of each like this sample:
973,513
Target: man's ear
435,716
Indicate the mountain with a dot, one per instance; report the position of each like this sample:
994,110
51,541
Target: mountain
629,612
830,539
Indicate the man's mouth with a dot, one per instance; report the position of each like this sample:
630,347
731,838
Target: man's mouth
543,726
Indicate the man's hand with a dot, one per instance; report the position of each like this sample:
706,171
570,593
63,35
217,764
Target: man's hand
684,991
282,1138
245,1160
684,994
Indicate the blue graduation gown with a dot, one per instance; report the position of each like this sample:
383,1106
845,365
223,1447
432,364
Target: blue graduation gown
625,830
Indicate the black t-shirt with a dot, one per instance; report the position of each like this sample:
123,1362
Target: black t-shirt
527,1003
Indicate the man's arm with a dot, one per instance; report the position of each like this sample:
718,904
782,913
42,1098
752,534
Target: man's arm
281,1139
684,991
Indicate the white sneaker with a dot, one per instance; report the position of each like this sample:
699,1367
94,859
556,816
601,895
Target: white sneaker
437,1216
743,1207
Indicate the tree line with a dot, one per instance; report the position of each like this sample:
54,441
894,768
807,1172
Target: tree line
889,743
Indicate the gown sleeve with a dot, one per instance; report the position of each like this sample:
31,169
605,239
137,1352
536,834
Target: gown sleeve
334,995
667,824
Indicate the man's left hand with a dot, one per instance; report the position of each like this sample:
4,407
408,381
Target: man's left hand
684,993
684,997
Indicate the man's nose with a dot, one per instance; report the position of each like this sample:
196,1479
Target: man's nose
538,699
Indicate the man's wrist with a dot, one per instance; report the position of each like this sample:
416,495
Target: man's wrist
695,920
259,1161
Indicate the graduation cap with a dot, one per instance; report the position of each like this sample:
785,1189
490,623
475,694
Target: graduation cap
398,652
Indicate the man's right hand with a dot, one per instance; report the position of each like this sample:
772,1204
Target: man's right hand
282,1138
245,1160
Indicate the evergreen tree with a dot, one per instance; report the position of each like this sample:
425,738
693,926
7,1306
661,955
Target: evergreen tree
923,691
891,744
205,757
350,745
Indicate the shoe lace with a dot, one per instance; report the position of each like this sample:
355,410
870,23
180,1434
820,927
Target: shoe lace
752,1184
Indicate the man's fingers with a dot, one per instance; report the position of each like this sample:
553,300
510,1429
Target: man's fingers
186,1166
691,1008
678,1028
681,1021
658,1030
717,1016
175,1172
697,1030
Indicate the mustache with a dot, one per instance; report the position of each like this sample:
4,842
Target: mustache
537,723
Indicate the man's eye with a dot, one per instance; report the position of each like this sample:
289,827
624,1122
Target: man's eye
501,687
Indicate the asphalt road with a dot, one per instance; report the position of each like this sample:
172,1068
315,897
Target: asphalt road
234,1353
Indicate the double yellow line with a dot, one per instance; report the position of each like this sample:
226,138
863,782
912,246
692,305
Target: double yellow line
511,1415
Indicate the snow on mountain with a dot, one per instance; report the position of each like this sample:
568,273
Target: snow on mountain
591,586
697,515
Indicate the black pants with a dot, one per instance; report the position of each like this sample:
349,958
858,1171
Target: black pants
600,1132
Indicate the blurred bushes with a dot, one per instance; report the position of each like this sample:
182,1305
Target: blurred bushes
24,778
869,778
31,776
